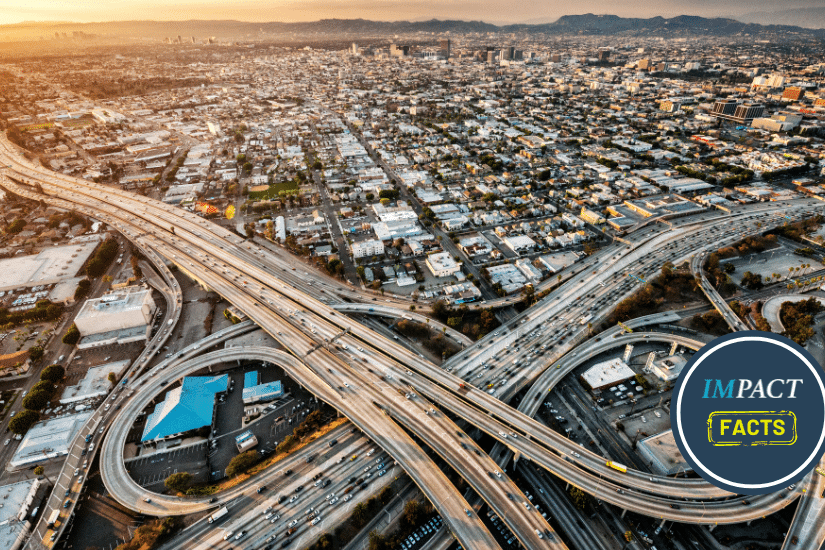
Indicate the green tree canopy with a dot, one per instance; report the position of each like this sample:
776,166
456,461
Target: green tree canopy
23,420
242,462
179,481
53,373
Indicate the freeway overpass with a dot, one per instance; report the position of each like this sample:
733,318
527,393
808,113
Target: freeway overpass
253,288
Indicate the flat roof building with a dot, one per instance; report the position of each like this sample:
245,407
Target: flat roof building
662,454
94,384
607,373
442,264
19,499
50,266
127,308
255,392
46,440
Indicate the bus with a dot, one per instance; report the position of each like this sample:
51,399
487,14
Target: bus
53,517
616,466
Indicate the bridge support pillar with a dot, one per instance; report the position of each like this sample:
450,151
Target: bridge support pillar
661,525
624,511
673,348
516,456
711,528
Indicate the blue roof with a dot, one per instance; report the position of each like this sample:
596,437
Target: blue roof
261,392
186,408
250,379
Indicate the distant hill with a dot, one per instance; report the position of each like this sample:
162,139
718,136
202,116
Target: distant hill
587,24
810,18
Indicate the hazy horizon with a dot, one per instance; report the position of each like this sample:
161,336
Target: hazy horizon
490,11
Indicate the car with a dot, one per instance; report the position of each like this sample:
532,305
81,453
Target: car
240,535
76,472
147,499
7,442
466,511
67,504
260,489
333,501
227,535
347,498
292,523
287,472
275,518
293,498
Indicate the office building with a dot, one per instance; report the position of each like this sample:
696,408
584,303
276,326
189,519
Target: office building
129,310
444,48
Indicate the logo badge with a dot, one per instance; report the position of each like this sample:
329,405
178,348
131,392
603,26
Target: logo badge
748,412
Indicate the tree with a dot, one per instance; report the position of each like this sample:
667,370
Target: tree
53,373
37,400
35,353
72,336
241,463
23,420
39,471
82,289
112,378
178,482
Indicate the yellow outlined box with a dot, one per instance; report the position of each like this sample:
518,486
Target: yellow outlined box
748,420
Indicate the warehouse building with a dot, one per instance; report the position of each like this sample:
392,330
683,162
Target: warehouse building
19,501
47,440
50,266
185,409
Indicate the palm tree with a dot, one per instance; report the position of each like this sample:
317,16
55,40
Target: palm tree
38,471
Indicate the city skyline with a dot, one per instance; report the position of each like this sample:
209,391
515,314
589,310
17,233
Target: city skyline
490,11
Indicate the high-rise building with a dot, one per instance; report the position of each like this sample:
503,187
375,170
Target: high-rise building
748,111
604,56
793,93
725,107
444,47
355,50
643,64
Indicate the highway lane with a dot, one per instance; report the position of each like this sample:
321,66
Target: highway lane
364,415
67,479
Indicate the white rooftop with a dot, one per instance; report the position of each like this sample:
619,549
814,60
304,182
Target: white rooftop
52,265
607,373
48,439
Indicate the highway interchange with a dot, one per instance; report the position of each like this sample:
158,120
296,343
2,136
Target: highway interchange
359,371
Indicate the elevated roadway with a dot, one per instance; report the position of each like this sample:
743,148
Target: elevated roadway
201,261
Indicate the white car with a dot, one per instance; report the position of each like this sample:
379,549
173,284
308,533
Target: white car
316,520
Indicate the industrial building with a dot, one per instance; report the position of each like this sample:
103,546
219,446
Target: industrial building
50,266
95,384
118,317
255,392
663,455
607,373
19,501
186,408
46,440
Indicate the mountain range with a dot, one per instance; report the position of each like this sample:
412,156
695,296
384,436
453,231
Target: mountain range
586,24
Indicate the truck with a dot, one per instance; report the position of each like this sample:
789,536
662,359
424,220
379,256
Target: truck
218,515
585,319
53,517
616,466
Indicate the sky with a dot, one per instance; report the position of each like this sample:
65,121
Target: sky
492,11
